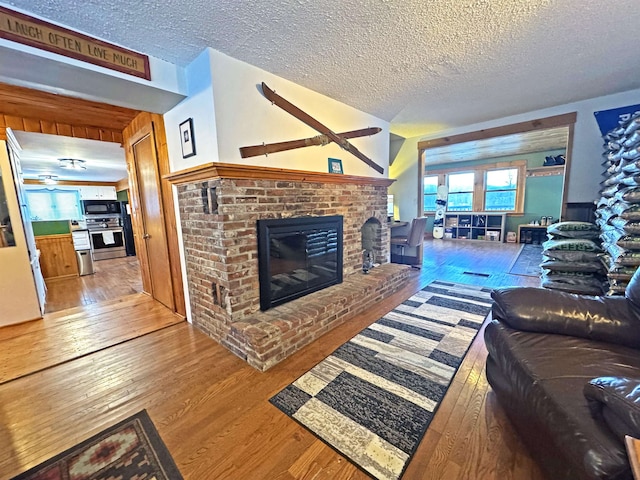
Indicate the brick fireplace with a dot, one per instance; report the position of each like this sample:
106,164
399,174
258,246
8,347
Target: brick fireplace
220,205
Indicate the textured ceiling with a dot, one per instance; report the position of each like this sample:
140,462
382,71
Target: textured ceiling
423,65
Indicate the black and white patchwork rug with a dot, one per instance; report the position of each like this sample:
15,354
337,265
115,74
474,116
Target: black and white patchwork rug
373,398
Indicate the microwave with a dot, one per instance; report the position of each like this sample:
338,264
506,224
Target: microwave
100,207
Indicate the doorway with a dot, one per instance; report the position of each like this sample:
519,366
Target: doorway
105,170
104,175
112,279
77,118
535,155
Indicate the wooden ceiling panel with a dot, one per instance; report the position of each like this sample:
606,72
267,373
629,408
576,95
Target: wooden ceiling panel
49,107
495,147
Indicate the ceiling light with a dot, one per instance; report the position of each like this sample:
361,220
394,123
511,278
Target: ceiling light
72,163
49,179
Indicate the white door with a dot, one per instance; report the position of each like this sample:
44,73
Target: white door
34,253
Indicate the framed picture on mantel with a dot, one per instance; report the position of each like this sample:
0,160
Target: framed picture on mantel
187,140
335,165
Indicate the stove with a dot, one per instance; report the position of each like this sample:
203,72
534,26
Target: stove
106,235
102,222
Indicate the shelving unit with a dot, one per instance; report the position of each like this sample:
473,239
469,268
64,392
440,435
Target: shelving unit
483,226
536,233
545,171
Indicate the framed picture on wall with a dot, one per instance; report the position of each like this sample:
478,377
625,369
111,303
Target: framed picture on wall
187,140
335,165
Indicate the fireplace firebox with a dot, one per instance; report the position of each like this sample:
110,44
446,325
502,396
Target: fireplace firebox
298,256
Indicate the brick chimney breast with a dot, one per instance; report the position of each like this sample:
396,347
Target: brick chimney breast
219,206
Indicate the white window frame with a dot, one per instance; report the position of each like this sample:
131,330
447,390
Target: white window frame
480,182
53,197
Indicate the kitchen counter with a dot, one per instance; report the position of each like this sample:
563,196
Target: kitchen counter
58,256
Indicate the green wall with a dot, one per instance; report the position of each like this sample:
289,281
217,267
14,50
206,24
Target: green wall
62,226
50,228
122,196
543,197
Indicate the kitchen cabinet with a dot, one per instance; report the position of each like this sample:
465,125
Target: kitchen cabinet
98,192
81,240
58,256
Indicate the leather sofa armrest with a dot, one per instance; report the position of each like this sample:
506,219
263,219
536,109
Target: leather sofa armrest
616,401
608,319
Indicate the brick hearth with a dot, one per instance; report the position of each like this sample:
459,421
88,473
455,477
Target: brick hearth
266,338
219,206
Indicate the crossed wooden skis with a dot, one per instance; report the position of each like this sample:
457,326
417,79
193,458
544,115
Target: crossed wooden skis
326,135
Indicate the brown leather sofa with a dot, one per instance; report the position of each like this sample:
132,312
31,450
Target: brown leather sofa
566,368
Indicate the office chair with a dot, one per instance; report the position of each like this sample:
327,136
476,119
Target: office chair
414,238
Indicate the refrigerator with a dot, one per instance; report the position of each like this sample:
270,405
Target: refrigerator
127,228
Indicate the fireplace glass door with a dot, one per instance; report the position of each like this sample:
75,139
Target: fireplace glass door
298,256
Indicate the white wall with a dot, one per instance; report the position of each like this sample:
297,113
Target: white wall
405,188
229,112
198,106
18,297
23,65
244,117
586,159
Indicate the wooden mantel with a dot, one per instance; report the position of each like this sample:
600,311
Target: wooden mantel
214,170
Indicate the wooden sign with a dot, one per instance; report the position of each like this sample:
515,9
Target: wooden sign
37,33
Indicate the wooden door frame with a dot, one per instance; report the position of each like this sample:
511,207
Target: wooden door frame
565,120
28,110
152,123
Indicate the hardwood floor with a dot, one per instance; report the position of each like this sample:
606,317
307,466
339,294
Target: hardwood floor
112,279
34,346
212,409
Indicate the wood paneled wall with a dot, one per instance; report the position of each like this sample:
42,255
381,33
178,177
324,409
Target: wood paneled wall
41,126
122,184
30,110
57,256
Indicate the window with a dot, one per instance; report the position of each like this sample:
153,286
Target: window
460,192
390,205
429,191
53,204
488,187
500,189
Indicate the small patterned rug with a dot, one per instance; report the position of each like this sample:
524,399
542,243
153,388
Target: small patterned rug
373,398
130,450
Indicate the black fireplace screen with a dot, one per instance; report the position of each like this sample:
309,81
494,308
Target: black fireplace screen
298,256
